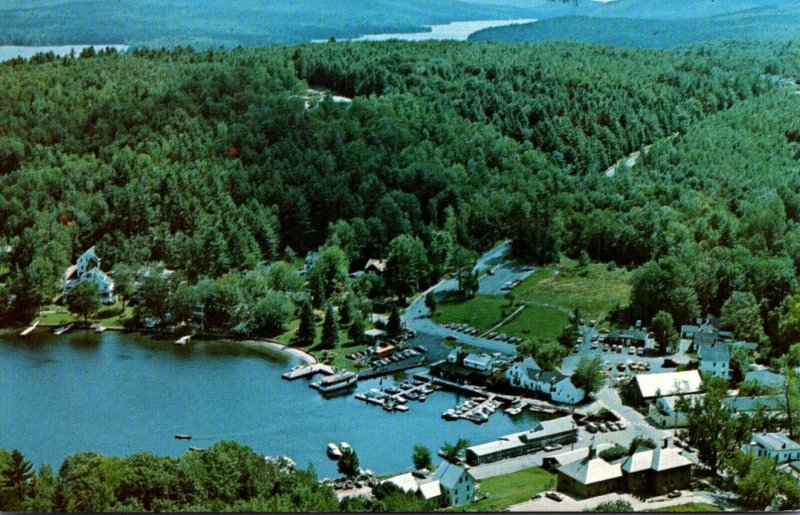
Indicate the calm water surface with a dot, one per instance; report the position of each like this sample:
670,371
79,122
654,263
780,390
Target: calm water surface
121,393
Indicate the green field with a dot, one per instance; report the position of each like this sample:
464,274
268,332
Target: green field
692,507
108,316
482,312
509,489
536,321
595,292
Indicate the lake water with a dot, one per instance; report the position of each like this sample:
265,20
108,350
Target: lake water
117,394
457,30
12,52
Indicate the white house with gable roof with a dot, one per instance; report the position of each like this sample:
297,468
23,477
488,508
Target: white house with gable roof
456,483
87,269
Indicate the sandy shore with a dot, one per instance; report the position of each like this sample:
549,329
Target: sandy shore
304,356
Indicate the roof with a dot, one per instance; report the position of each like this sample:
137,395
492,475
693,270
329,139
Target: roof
767,378
377,264
768,402
374,332
405,482
69,271
588,471
430,489
670,401
530,367
501,444
702,337
668,383
448,474
714,352
689,329
657,459
774,441
628,333
478,359
549,427
745,345
579,454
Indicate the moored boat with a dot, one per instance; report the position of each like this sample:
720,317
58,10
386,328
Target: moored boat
336,382
183,436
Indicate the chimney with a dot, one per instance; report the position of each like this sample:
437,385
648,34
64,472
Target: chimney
666,442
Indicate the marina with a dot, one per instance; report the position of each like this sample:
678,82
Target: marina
477,410
394,398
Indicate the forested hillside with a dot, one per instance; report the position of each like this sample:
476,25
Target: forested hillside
211,23
210,162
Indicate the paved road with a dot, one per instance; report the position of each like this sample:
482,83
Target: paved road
417,315
578,505
493,284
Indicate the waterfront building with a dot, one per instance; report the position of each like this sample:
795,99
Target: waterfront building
87,269
527,375
773,445
557,431
456,483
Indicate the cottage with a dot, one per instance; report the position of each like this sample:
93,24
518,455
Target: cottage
656,471
664,413
457,485
557,431
767,378
773,445
651,386
766,404
707,335
590,476
715,359
87,269
374,335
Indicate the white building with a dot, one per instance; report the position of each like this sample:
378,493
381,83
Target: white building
773,445
87,269
482,362
664,413
456,483
651,386
527,374
715,359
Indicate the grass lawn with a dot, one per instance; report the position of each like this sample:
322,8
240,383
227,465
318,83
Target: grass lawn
452,344
482,312
506,490
345,346
595,293
692,507
536,321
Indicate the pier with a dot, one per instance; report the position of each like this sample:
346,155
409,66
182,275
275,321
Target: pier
395,397
474,391
29,330
308,370
476,410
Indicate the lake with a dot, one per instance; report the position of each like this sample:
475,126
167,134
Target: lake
12,52
457,30
118,393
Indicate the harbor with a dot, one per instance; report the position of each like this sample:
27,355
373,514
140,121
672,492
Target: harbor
394,398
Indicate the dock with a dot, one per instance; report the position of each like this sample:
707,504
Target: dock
474,391
395,398
29,330
308,370
183,340
62,330
476,410
517,407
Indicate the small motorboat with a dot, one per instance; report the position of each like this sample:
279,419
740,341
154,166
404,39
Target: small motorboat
197,449
181,436
333,451
423,398
344,446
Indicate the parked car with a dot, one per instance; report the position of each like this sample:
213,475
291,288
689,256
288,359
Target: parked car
450,337
592,323
553,447
536,496
622,425
594,345
576,348
602,427
640,351
605,348
604,330
631,350
612,426
669,363
673,494
621,367
555,496
619,349
591,427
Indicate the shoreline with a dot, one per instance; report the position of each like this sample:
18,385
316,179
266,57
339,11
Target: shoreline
305,357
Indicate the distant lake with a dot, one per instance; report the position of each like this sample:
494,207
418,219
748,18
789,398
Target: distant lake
117,393
12,52
457,30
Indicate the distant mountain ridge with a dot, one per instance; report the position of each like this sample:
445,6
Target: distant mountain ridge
658,24
220,22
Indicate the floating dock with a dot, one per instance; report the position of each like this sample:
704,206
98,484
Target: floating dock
29,330
398,397
308,370
476,410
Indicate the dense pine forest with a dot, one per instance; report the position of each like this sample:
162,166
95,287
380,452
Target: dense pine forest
218,161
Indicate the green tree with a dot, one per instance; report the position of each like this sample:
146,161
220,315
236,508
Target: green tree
329,272
124,279
452,452
430,301
714,429
421,457
307,329
83,300
356,330
618,506
17,474
348,463
641,442
742,315
330,329
394,325
407,265
547,355
588,375
271,313
663,329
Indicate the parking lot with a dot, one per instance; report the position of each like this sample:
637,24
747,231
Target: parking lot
471,331
500,279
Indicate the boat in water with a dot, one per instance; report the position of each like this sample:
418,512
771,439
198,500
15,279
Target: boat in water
344,446
334,452
336,382
181,436
197,449
62,330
